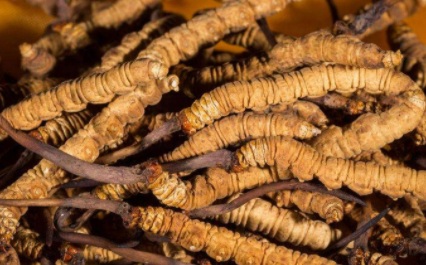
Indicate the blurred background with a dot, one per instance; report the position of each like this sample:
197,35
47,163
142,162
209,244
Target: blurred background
20,22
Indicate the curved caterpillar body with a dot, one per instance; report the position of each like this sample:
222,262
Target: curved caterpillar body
281,224
28,244
216,184
11,94
219,243
305,163
402,37
139,40
55,132
315,48
258,94
105,129
74,95
397,12
240,128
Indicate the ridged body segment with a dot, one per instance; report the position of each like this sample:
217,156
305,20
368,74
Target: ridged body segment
305,163
284,225
241,128
219,243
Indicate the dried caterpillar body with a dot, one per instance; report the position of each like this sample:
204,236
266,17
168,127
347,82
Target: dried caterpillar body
122,11
385,236
119,192
195,82
411,220
74,95
139,39
326,206
305,163
258,94
395,13
281,224
401,37
55,132
11,94
216,184
309,112
378,157
240,128
28,244
253,39
39,58
105,129
176,252
285,57
219,243
183,42
98,255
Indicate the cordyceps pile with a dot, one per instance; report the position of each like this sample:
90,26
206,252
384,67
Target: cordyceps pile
131,140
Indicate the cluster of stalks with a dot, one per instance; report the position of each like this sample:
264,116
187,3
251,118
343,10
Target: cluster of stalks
302,151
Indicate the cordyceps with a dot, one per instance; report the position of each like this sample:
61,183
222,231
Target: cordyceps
305,163
402,37
315,48
139,40
11,94
259,93
218,242
240,128
398,11
281,224
105,129
40,58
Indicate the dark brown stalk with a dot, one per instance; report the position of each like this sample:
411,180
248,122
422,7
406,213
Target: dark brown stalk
365,20
222,158
333,10
118,175
127,253
363,229
169,127
25,157
263,24
81,183
49,227
120,208
255,193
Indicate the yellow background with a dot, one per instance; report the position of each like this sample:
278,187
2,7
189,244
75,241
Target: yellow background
20,22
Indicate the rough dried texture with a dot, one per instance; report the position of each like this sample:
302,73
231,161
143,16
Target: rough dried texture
74,95
315,48
99,255
259,93
378,157
11,94
119,192
55,132
253,39
281,224
305,163
105,129
219,243
402,37
203,190
28,244
309,112
176,252
184,42
119,13
139,40
39,58
409,219
385,237
326,206
241,128
397,12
